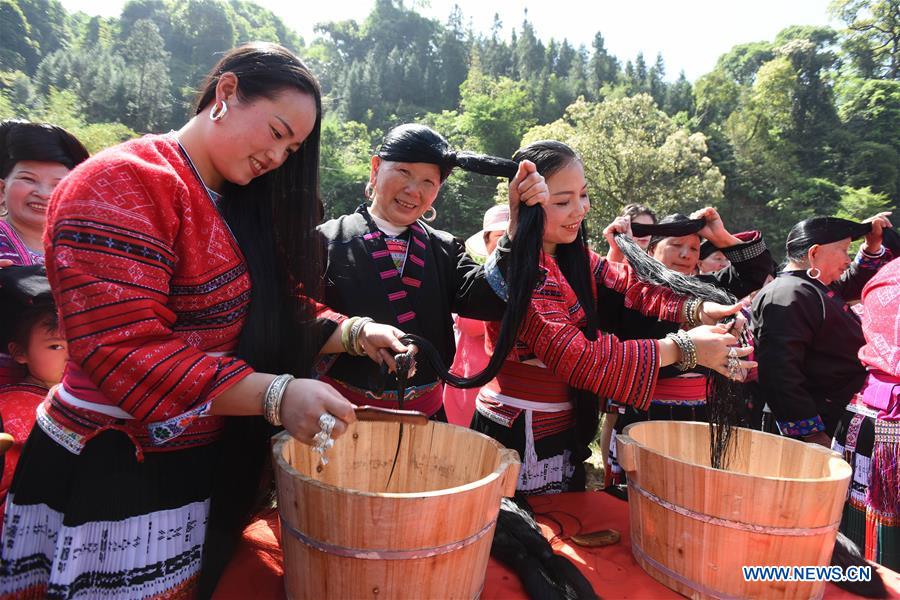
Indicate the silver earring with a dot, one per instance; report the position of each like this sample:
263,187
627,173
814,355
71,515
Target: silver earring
367,192
217,116
432,217
810,270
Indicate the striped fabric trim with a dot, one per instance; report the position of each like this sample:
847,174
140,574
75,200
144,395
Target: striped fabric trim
156,555
400,264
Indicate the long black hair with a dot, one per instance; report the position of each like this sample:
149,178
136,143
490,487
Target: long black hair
273,219
522,277
725,398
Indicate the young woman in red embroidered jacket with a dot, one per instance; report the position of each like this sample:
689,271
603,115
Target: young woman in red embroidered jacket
544,400
177,263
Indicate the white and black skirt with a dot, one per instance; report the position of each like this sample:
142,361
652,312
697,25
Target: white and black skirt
103,524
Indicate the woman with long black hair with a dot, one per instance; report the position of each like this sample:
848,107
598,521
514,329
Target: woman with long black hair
177,262
551,353
676,243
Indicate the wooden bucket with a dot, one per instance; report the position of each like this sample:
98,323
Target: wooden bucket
346,533
693,527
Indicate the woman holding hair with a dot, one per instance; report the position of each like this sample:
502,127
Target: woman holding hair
554,360
176,263
387,263
676,243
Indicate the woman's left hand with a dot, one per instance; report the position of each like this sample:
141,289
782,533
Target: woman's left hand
529,187
874,237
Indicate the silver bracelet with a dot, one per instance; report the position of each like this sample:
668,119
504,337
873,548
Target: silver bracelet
688,358
355,333
273,397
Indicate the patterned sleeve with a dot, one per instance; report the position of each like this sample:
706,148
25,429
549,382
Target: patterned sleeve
625,371
648,299
110,259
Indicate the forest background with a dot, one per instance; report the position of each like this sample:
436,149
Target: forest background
806,123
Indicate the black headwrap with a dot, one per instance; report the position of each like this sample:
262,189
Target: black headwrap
23,289
675,225
21,140
821,230
706,249
891,241
412,143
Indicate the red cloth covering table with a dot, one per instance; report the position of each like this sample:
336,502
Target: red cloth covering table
256,570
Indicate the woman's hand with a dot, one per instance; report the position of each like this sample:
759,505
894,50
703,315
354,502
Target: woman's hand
5,262
874,237
619,225
713,312
305,400
714,230
529,187
715,345
381,342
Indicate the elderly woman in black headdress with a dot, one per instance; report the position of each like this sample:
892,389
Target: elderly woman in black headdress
807,338
677,241
385,262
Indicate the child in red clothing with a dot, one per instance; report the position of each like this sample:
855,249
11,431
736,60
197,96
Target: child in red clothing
30,333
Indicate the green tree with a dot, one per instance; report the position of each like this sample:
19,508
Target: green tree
345,151
49,27
873,35
62,108
18,51
144,53
603,68
680,97
495,113
454,57
634,152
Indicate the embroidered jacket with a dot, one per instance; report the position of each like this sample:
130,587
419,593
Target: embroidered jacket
437,279
152,290
550,339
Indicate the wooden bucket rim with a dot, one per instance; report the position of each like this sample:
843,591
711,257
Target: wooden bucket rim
279,440
844,467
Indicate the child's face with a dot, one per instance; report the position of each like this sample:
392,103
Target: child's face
46,355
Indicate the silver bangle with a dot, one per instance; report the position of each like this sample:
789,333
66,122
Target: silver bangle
688,358
273,397
355,333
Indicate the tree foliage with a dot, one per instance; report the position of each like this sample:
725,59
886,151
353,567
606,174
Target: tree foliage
805,123
634,152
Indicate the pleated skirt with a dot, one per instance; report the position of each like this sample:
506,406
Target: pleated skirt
872,513
104,524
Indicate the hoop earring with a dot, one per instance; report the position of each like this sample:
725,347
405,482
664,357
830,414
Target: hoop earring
367,192
433,216
213,116
810,270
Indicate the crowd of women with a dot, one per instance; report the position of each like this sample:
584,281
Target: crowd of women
179,300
